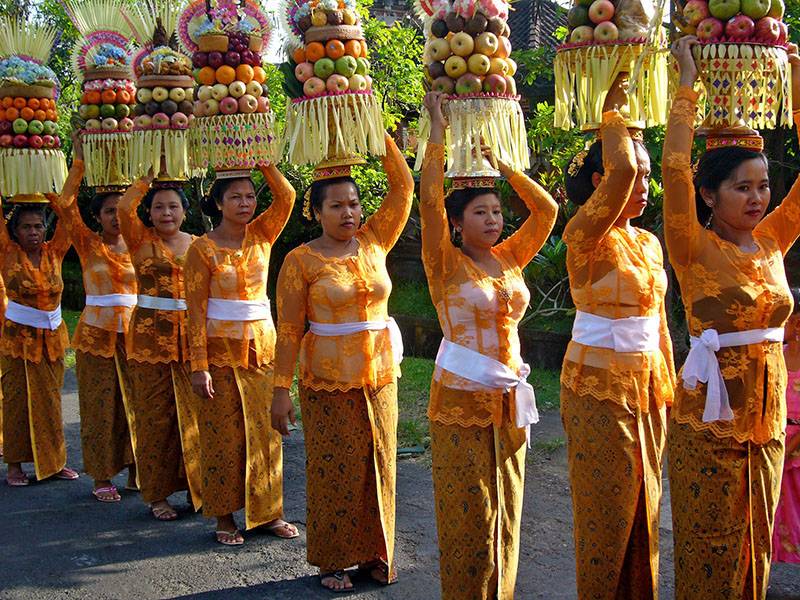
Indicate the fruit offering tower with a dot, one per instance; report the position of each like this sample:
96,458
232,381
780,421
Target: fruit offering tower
101,63
165,89
332,113
233,127
467,57
606,38
742,61
31,163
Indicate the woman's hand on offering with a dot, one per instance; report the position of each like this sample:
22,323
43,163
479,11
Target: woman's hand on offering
77,144
682,51
433,102
617,96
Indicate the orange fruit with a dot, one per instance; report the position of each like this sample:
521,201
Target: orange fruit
108,96
26,113
12,113
315,51
245,73
45,103
364,51
40,114
51,115
8,102
259,74
352,48
20,103
207,76
225,74
334,49
93,97
33,103
2,114
299,55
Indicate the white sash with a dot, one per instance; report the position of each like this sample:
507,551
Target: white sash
474,366
127,300
631,334
238,310
332,329
33,317
158,303
702,365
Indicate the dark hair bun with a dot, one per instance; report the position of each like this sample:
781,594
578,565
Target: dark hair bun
578,179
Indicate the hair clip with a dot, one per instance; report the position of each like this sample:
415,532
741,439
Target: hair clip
307,204
576,164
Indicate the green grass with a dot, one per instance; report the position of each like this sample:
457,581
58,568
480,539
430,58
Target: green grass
411,298
71,319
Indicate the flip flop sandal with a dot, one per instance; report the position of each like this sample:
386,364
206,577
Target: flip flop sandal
108,493
275,527
67,474
164,513
369,569
229,538
338,576
20,480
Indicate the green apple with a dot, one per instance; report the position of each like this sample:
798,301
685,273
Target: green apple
50,127
324,68
107,110
724,9
346,65
83,111
35,127
93,111
362,66
755,9
121,111
20,126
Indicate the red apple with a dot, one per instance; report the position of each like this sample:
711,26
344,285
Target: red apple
443,84
160,120
35,141
20,140
784,36
304,71
468,83
606,32
263,104
47,140
248,104
740,27
494,84
710,29
314,87
229,105
601,10
215,60
768,30
126,124
511,86
337,83
695,11
6,140
581,34
179,121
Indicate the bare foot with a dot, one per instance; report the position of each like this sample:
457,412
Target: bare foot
163,511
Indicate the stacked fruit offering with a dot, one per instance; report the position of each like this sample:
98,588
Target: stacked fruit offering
593,21
28,122
166,90
31,162
230,82
756,21
334,113
467,55
106,104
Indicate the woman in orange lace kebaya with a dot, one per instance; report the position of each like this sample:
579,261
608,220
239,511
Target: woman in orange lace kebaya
165,435
478,424
100,362
349,363
618,375
34,340
727,425
231,349
3,302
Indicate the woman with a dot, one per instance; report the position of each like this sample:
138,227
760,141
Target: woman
349,362
34,340
101,365
726,438
165,433
231,348
618,375
478,423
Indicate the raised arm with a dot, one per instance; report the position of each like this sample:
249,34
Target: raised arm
271,222
197,276
388,222
596,218
292,295
524,243
131,226
783,223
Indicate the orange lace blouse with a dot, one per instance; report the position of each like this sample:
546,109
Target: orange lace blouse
37,287
728,290
104,272
215,272
616,273
476,310
154,336
344,290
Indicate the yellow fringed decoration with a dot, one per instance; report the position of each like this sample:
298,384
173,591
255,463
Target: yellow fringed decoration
334,126
234,141
107,158
583,76
148,146
26,171
745,82
497,122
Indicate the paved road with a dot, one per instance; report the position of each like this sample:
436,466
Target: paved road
58,543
